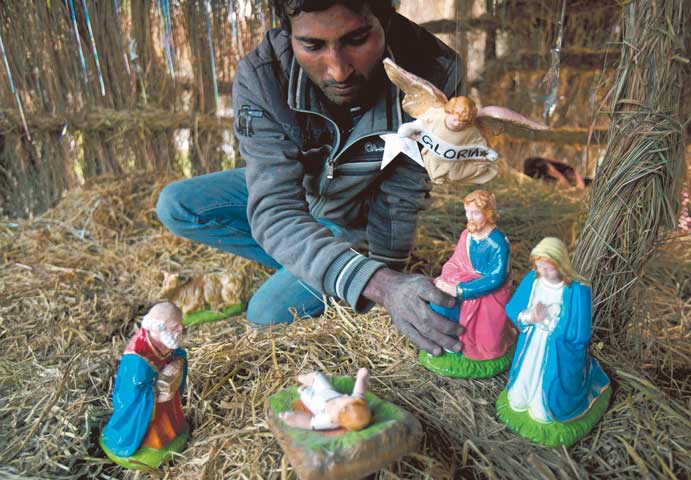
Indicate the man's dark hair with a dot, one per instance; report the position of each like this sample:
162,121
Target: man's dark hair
284,9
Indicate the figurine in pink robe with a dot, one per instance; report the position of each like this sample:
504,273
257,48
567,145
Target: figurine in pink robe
479,275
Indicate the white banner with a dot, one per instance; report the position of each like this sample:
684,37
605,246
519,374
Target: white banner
455,152
396,144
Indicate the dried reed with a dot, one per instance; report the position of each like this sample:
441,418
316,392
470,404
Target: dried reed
76,281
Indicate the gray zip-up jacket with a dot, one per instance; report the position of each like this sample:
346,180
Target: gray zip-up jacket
301,167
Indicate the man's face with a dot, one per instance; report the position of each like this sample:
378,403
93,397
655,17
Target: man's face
476,217
340,50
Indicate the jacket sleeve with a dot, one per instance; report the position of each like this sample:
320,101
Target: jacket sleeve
277,208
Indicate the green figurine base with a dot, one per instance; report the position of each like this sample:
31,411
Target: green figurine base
206,316
148,458
340,454
553,434
455,365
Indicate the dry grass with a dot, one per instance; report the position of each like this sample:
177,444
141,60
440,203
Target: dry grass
76,281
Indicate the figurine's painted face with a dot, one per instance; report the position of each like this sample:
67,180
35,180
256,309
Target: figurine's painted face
339,49
477,220
548,271
171,335
454,123
335,405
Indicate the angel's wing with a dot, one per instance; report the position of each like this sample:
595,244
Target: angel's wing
420,94
497,120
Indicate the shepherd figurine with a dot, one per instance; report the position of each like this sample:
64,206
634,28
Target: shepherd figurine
147,425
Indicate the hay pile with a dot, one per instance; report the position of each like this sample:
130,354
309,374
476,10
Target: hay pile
76,281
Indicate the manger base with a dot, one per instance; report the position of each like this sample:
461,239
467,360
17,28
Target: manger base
392,434
553,434
145,457
456,365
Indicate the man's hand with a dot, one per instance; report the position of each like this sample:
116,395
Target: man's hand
407,299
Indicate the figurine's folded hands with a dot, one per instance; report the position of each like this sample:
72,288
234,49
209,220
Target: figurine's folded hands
538,314
407,298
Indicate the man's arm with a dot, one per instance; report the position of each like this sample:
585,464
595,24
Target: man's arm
277,208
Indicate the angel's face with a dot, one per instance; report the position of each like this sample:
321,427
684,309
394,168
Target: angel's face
454,123
340,50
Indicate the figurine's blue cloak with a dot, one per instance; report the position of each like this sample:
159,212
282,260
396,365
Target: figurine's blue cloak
572,379
133,403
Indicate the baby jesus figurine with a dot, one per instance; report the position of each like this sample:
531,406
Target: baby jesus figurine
329,408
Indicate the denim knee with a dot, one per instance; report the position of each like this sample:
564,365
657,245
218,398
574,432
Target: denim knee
170,211
259,312
260,315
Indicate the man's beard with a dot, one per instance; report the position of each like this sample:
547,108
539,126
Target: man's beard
474,227
170,340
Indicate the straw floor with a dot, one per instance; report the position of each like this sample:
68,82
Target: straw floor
76,281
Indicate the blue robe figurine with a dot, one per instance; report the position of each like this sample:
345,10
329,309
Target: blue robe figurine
557,391
147,422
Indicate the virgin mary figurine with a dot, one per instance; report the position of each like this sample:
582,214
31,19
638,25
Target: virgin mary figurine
557,391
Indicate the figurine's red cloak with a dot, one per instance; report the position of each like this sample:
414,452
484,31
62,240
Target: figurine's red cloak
488,334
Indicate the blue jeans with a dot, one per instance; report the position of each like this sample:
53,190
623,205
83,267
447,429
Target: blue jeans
212,209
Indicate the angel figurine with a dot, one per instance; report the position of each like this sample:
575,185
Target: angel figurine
454,131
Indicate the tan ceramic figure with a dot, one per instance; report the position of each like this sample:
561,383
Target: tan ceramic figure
454,132
212,290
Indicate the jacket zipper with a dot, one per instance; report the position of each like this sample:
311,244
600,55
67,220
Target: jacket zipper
329,163
358,168
332,159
